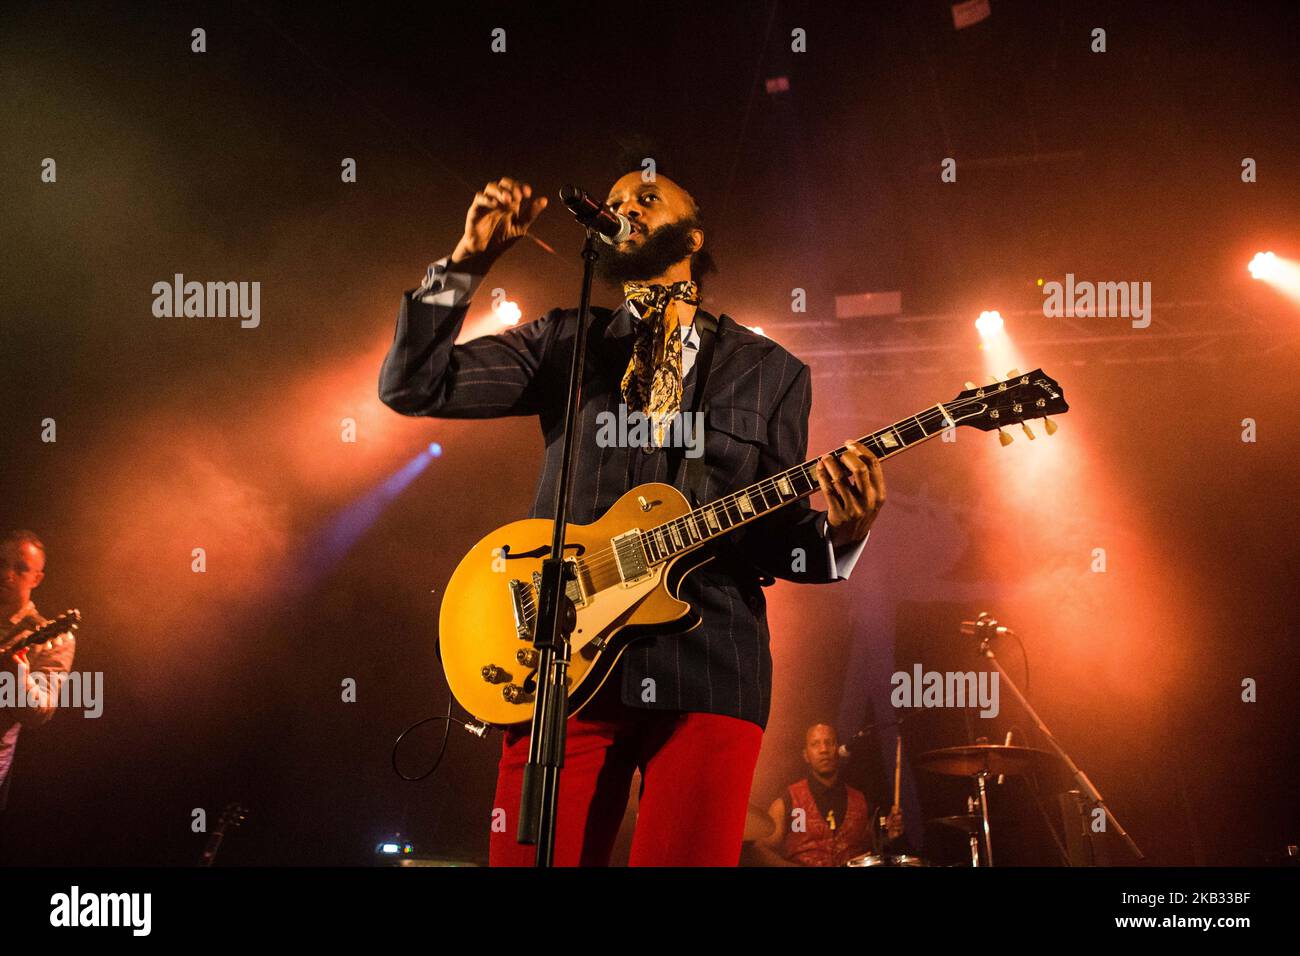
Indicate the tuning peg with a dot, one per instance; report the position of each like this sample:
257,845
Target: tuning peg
993,379
1050,425
1004,438
1025,426
1013,373
971,385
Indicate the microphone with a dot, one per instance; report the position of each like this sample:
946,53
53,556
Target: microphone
984,623
611,226
847,748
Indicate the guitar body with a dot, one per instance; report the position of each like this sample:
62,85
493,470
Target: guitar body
477,622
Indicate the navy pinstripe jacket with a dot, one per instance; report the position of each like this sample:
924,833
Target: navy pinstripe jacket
756,415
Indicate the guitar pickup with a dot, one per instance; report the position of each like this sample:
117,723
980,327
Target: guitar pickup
629,555
573,584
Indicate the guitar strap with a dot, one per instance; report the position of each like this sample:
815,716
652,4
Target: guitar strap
707,327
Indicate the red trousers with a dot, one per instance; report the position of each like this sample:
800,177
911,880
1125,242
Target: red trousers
696,772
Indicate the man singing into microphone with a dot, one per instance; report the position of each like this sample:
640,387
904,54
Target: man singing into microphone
687,709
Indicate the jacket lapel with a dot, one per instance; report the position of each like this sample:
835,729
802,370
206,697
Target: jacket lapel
729,346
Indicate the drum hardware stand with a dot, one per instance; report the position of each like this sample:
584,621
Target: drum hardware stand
973,835
980,778
986,628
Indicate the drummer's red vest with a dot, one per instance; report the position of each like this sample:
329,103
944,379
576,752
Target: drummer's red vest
818,844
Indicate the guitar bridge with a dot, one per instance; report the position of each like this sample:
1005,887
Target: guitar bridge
524,598
521,602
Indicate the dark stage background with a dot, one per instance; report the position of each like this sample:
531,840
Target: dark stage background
174,434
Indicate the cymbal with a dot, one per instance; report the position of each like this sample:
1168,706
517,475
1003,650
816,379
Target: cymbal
966,823
972,759
758,825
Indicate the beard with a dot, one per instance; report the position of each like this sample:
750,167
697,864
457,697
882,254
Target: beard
660,249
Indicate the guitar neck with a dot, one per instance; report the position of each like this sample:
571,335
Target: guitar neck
16,639
717,518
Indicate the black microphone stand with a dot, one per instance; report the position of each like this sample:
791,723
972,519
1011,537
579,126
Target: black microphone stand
556,618
986,629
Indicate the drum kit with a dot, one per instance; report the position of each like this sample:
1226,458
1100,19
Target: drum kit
978,762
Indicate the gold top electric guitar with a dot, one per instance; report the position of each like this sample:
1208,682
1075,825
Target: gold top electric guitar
629,563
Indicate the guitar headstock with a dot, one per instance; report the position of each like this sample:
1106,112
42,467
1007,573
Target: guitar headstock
65,623
1016,400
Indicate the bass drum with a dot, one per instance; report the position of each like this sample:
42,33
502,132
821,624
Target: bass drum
886,859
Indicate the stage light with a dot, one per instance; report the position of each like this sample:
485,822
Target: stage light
1263,266
508,312
1277,272
989,324
339,533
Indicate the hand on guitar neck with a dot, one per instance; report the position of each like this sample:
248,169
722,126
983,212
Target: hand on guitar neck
854,488
13,650
36,631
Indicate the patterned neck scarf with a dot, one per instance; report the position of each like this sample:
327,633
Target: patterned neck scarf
652,383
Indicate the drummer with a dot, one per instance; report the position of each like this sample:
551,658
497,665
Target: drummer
820,820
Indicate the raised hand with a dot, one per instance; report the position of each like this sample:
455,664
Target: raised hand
500,214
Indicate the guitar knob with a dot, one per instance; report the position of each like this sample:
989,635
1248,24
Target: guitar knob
1025,426
1004,438
1013,373
527,656
493,674
1050,425
971,385
512,693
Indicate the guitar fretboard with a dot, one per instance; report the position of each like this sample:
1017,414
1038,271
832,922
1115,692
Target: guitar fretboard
763,497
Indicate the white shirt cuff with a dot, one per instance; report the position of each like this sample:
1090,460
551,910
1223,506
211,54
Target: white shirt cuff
845,558
447,288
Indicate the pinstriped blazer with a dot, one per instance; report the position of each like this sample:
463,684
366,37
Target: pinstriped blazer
756,424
